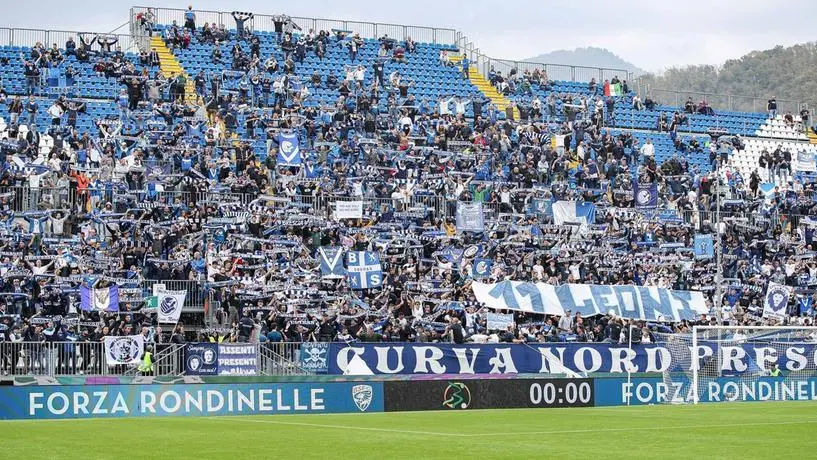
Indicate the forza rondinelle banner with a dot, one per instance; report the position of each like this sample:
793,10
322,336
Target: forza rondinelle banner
84,401
464,394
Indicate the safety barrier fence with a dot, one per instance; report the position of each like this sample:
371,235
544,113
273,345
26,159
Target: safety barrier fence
85,357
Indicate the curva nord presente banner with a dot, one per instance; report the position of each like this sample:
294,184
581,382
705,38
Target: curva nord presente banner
557,358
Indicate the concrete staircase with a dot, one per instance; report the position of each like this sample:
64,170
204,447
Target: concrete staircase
170,65
498,99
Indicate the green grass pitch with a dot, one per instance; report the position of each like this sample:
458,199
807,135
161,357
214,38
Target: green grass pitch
778,430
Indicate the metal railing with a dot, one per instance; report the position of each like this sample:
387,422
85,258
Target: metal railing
196,293
730,102
264,23
54,359
73,358
27,199
29,37
42,198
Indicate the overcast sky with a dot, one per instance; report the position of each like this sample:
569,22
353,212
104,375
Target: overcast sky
652,35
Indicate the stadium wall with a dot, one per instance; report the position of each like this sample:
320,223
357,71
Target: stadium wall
76,397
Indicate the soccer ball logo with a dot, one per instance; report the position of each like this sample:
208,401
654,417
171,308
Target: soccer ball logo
456,396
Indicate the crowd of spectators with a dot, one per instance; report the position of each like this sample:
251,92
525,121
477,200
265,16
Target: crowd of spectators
177,189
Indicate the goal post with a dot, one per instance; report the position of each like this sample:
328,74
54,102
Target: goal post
742,363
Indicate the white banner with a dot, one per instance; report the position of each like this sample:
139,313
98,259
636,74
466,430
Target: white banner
804,162
170,305
348,210
498,321
636,302
777,299
126,349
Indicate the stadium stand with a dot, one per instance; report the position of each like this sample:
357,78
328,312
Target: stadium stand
230,161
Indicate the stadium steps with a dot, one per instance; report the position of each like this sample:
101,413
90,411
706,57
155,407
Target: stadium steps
485,87
170,65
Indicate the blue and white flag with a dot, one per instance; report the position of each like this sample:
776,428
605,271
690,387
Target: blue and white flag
104,299
481,268
170,305
806,304
645,195
704,247
574,212
289,151
331,258
126,349
470,217
363,269
498,321
635,302
777,298
805,162
767,190
542,207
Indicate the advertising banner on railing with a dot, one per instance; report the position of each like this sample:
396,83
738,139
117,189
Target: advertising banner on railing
220,359
636,302
560,358
85,401
655,390
348,209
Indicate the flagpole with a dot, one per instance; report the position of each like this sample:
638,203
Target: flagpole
718,265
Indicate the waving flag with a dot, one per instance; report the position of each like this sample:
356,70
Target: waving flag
645,195
331,262
573,212
364,270
704,247
289,151
481,268
777,299
104,299
470,217
806,304
170,304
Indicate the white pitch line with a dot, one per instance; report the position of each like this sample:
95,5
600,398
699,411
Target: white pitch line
516,433
646,428
341,427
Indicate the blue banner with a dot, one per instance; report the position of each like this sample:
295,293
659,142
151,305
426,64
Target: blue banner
201,359
331,258
562,358
704,247
85,401
481,268
645,195
640,391
289,151
364,270
237,359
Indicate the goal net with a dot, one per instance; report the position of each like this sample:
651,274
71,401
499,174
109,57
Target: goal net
731,363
